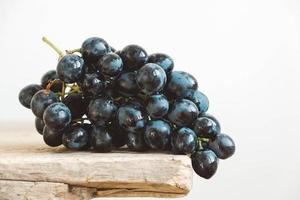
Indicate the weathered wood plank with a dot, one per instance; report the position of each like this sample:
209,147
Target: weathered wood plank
20,190
33,166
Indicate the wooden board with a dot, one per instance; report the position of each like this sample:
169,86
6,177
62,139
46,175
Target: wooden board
31,170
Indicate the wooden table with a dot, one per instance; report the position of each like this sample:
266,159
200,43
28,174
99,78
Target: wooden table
31,170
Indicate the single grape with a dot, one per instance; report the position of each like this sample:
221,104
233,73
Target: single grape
70,68
50,76
52,138
76,138
180,83
77,104
101,110
211,117
93,49
41,100
134,57
126,84
93,84
199,99
110,64
157,106
101,140
39,125
136,141
206,127
88,129
151,78
158,134
119,136
183,112
222,145
130,119
205,163
162,60
26,94
57,116
184,141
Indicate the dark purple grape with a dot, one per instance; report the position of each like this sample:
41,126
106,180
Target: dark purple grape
101,140
93,84
70,68
205,163
77,104
158,134
50,76
57,116
52,138
101,110
136,141
126,84
183,112
157,106
130,119
222,145
41,100
206,127
180,83
184,141
119,136
211,117
88,129
27,93
151,78
162,60
199,99
39,125
76,138
134,57
110,64
93,49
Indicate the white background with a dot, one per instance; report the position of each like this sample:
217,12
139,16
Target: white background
245,55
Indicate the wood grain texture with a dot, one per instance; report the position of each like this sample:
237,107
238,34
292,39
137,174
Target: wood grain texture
28,167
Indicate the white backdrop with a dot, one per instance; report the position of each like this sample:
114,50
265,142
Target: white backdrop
245,55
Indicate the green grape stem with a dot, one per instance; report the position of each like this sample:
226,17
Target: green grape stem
63,91
200,143
71,51
54,47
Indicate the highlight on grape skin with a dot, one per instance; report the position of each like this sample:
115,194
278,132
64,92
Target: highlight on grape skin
99,99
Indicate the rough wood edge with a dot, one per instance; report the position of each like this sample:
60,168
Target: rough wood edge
20,190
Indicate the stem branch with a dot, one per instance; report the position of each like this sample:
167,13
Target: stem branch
73,50
54,47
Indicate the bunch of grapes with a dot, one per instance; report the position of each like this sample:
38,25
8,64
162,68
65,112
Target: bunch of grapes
100,99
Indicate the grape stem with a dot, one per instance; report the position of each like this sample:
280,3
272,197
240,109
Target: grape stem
200,147
73,50
63,90
54,47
